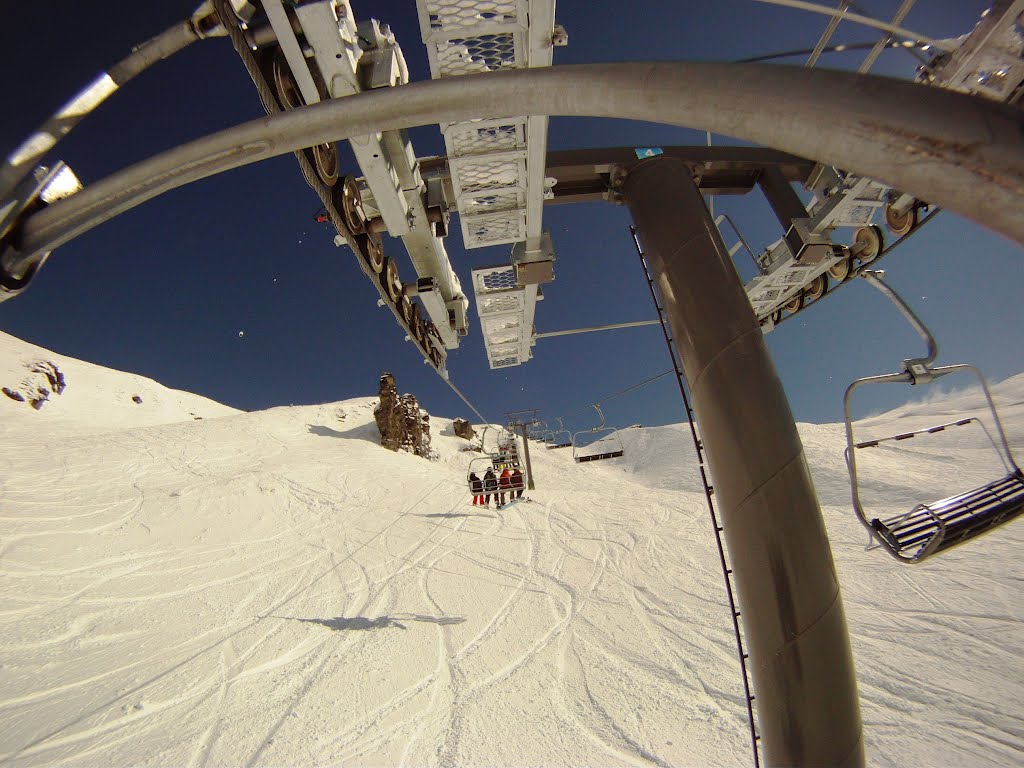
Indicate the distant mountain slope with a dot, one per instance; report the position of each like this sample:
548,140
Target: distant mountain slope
93,398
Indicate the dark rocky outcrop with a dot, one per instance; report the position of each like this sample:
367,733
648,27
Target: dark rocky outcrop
402,424
43,380
463,429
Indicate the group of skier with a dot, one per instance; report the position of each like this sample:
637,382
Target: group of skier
509,482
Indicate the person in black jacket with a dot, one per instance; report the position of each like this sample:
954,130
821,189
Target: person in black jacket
517,483
477,488
490,487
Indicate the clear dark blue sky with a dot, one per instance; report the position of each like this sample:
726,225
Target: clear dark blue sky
164,290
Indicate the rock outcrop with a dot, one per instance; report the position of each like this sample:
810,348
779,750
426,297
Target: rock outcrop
43,380
463,429
402,423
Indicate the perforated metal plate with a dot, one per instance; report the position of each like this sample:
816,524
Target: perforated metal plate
500,303
492,167
477,136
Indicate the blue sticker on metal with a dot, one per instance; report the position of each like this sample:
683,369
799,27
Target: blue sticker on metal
643,152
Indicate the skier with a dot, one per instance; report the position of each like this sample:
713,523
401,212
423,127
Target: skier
517,483
490,487
505,484
477,488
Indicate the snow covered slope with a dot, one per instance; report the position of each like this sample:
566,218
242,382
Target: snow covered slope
93,399
275,588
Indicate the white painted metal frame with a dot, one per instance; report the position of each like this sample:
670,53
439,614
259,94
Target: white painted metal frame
387,160
497,166
501,305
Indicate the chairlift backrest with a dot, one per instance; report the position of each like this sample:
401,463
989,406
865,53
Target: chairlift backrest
932,527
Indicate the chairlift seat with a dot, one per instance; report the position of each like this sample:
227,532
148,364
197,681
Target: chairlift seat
599,456
931,528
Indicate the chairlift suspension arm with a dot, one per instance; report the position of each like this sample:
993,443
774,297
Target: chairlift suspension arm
874,277
202,24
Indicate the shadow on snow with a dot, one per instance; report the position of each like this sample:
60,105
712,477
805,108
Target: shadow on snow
340,623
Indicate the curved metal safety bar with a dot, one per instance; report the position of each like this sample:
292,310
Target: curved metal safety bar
483,436
962,152
874,278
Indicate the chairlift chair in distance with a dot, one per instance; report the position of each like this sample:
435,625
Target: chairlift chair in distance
561,437
507,455
935,526
610,444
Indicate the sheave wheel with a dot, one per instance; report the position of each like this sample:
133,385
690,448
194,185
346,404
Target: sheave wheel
352,206
325,159
390,280
867,244
416,326
428,331
840,270
372,250
795,304
405,308
900,224
285,87
815,289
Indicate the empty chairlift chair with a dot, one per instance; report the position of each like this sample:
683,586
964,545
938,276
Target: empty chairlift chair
606,446
561,437
933,527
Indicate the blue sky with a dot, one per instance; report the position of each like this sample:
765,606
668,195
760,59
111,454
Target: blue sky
164,290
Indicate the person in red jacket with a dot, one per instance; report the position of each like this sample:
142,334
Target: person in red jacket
504,485
476,485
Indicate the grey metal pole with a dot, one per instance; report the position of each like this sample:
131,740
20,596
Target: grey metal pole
792,613
526,457
961,152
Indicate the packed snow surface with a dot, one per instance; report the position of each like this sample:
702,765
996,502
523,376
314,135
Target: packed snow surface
185,584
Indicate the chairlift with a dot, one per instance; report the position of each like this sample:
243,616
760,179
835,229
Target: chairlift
507,455
933,527
538,432
479,466
608,442
561,437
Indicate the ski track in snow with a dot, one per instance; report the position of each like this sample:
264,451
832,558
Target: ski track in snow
246,590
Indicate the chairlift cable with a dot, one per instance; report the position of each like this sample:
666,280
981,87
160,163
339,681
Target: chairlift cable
462,397
636,386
